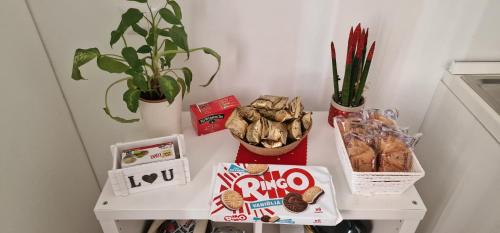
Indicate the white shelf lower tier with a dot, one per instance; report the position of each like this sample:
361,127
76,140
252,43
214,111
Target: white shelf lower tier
191,201
379,226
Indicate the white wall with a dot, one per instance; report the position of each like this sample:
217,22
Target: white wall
46,182
279,47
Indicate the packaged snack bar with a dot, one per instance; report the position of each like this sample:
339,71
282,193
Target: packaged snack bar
148,154
212,116
281,194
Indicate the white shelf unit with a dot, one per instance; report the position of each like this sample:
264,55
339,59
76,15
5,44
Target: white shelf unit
191,201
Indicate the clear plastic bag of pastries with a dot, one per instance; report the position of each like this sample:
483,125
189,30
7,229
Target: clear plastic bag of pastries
361,154
395,151
386,117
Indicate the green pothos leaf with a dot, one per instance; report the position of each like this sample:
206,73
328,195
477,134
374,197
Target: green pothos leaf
130,17
169,16
177,9
130,56
138,80
217,56
169,45
81,57
183,86
179,37
139,30
119,119
188,76
163,32
141,82
111,65
150,39
130,84
131,98
144,49
169,87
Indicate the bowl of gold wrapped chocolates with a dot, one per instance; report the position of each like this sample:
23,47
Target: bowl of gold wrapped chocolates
270,125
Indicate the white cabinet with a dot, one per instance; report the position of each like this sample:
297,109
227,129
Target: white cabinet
462,164
394,213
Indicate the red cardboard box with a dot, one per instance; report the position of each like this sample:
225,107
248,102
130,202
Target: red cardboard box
211,117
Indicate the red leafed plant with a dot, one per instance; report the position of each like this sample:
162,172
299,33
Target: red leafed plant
356,68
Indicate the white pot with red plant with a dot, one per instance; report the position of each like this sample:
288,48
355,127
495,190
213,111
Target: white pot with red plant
349,98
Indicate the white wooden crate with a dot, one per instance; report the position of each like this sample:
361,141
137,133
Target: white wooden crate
125,181
373,183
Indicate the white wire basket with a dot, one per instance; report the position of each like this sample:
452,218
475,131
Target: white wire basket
375,183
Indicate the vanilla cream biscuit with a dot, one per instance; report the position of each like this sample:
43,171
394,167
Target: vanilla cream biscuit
257,169
312,194
274,218
232,199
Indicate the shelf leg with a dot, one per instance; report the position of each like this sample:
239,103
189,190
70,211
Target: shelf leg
409,226
109,226
257,227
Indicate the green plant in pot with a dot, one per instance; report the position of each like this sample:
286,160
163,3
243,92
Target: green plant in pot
350,97
152,80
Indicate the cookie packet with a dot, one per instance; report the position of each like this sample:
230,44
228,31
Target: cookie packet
148,154
280,194
396,150
385,117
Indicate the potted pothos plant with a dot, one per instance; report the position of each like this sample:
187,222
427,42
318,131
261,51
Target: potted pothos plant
358,60
155,86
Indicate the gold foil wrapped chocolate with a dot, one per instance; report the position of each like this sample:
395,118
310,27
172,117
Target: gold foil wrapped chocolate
249,113
276,115
262,103
271,144
307,120
295,107
236,124
295,129
254,132
270,102
276,132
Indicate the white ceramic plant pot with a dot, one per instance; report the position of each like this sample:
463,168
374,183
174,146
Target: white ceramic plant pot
161,118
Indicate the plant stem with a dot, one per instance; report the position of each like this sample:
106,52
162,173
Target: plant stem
124,41
161,45
106,107
109,87
172,71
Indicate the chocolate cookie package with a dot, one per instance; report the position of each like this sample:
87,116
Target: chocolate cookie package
279,194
